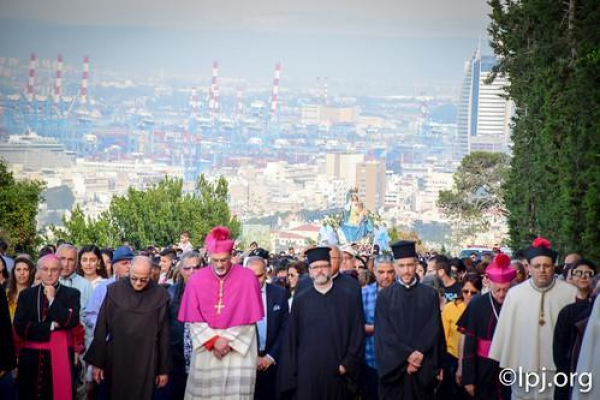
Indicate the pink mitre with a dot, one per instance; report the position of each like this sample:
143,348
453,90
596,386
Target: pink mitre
219,240
500,271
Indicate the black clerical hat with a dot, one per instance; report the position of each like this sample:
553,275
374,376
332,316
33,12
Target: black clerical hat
541,247
318,254
403,249
260,252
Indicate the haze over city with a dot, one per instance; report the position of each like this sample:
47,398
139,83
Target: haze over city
376,48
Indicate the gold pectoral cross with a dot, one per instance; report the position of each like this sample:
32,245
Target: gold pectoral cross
220,304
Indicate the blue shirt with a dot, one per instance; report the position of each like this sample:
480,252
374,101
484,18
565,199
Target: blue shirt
83,285
369,297
90,315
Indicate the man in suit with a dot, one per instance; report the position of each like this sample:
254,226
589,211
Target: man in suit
270,330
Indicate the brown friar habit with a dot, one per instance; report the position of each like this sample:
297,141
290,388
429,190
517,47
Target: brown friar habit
131,340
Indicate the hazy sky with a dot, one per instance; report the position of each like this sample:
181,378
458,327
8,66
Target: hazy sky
370,44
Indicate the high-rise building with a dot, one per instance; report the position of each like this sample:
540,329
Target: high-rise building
343,166
371,182
484,113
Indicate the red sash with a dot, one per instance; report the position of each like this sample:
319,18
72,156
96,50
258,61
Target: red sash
59,344
483,348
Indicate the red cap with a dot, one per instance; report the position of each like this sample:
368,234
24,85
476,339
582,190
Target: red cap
500,271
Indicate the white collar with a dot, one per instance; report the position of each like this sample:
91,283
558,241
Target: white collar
408,285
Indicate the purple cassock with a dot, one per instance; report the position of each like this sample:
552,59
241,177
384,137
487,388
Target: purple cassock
222,302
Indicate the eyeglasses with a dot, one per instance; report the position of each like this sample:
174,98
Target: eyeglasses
582,274
141,280
471,292
319,267
191,267
292,275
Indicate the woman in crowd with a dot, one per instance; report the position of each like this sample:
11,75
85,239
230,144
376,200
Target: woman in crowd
22,277
90,265
471,286
421,268
581,277
295,270
3,273
107,255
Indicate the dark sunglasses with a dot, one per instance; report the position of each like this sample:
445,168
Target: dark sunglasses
192,267
471,292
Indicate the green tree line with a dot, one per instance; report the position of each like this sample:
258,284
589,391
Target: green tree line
154,216
551,52
19,202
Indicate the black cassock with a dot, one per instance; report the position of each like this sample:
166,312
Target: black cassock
478,324
565,341
32,323
131,340
408,319
7,348
324,331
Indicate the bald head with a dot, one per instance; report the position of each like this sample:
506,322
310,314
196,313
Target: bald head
141,265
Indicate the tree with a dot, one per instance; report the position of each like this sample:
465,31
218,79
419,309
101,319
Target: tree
19,201
477,196
156,215
550,52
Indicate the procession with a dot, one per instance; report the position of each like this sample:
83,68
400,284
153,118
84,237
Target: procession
214,321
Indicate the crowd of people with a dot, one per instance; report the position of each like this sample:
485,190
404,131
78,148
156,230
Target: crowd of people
325,322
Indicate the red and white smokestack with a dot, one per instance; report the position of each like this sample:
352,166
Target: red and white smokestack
84,80
214,88
239,108
194,101
275,93
325,91
58,81
31,79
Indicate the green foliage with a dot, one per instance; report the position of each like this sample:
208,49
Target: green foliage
156,215
19,201
550,52
477,194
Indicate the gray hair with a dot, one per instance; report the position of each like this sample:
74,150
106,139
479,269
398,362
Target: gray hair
256,259
187,255
66,246
383,259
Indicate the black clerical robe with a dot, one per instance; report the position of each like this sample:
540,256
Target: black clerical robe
343,280
324,331
131,340
7,349
565,340
33,321
478,324
408,319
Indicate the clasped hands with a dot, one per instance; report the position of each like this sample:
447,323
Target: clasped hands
414,362
221,348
